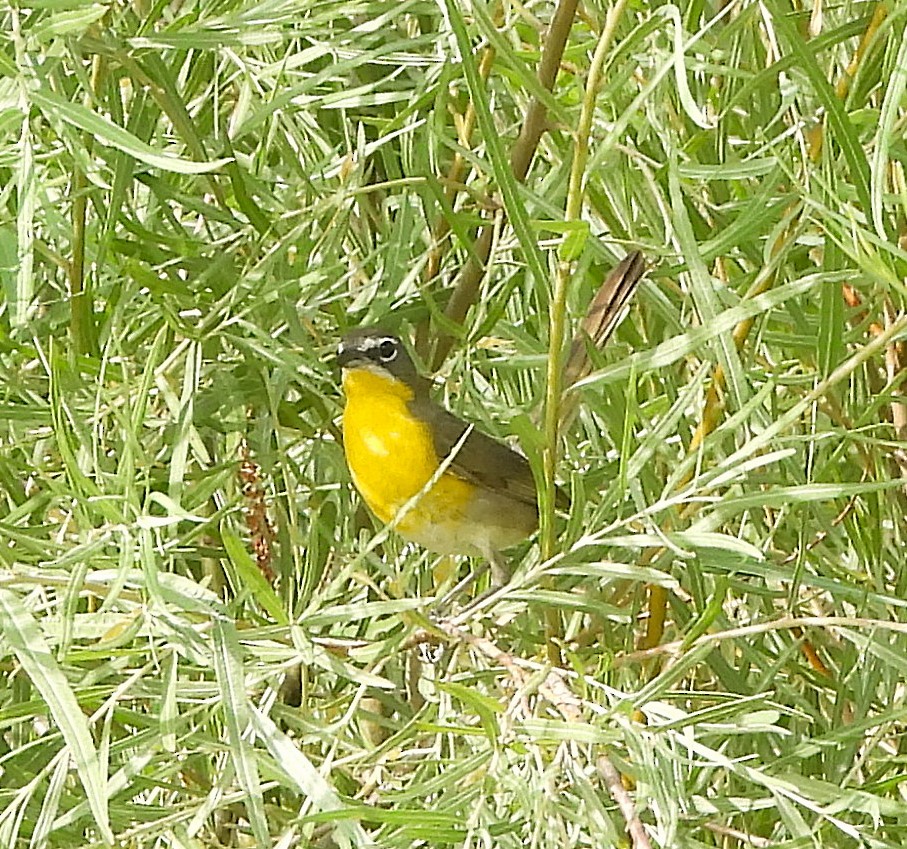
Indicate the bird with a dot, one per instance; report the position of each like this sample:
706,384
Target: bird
443,483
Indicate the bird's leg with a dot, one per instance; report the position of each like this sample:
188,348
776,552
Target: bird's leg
463,584
500,577
500,569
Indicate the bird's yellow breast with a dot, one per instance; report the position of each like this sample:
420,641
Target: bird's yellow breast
392,459
391,456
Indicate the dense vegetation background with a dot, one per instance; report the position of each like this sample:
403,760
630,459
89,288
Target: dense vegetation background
197,197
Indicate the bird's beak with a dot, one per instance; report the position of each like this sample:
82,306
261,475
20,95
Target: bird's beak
348,354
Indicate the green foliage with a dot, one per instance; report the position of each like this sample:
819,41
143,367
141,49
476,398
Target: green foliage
196,198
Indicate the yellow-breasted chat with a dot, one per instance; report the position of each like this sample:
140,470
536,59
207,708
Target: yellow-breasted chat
396,441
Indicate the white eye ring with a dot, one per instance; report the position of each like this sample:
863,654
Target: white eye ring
387,350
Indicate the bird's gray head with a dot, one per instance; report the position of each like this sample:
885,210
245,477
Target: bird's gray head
377,350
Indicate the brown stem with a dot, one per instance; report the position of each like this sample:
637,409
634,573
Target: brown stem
537,114
466,288
619,794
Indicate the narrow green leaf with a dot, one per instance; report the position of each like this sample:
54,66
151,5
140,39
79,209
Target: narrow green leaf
250,576
25,638
228,666
510,190
840,130
108,133
686,343
705,297
309,781
888,135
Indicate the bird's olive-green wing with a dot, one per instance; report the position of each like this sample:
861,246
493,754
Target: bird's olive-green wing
480,459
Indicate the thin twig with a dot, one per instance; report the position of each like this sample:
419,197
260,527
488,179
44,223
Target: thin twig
466,288
555,690
615,785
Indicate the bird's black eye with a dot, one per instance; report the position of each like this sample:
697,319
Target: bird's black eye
387,351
